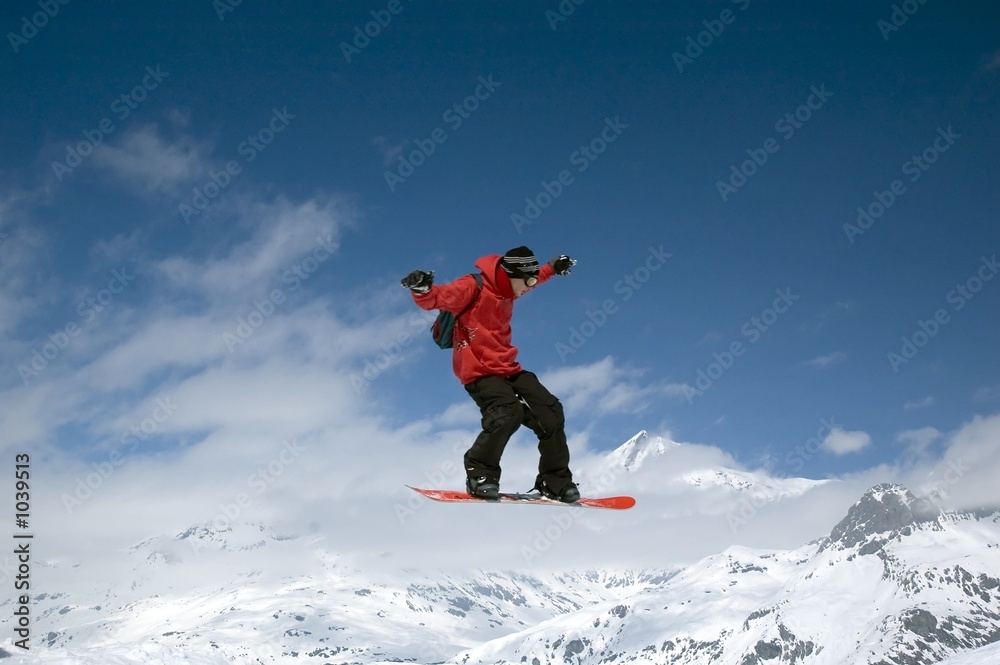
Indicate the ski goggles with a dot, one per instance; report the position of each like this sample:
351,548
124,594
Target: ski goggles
530,279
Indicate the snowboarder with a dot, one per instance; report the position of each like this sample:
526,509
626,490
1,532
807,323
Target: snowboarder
485,362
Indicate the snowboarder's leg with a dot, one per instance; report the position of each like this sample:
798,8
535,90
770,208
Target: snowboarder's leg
502,414
544,416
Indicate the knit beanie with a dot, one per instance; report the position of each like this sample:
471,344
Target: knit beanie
519,261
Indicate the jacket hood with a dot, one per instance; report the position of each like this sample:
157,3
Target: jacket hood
494,275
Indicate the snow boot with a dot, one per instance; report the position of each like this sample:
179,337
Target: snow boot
568,494
483,488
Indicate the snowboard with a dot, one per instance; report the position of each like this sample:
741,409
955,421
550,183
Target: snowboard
455,496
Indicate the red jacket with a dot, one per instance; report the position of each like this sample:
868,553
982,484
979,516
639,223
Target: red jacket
482,342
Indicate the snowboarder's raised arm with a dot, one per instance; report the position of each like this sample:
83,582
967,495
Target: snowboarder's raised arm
560,265
452,297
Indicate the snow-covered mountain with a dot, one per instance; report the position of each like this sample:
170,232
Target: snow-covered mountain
758,484
222,591
988,655
643,451
631,454
895,582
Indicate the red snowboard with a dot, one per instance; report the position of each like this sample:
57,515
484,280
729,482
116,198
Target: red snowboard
454,496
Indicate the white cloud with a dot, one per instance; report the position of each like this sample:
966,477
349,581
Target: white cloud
918,441
603,387
956,471
176,430
822,362
390,152
919,404
464,414
152,424
169,340
289,241
709,338
965,475
842,442
144,158
24,286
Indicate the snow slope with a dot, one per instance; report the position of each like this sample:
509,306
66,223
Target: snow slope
890,585
988,655
239,605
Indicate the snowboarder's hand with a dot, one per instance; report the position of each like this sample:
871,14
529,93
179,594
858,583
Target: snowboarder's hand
562,264
418,281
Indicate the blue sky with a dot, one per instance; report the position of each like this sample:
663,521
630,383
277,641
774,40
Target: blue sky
168,174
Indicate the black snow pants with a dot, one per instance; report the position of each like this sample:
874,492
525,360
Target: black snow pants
503,412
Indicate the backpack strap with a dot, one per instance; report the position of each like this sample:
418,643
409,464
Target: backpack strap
479,287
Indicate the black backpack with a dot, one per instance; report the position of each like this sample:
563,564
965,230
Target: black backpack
444,325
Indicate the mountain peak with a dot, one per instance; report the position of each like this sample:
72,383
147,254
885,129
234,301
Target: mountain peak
631,454
885,511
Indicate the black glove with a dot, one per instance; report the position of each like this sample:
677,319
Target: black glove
562,264
418,281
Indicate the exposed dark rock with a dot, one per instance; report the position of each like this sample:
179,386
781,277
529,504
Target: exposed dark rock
885,512
768,650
